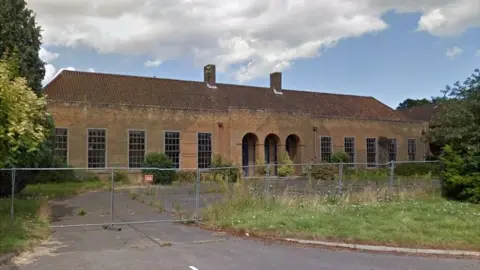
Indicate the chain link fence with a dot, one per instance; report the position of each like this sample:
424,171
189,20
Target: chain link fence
178,195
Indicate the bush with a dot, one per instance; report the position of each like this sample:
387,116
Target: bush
55,176
339,157
261,167
411,169
461,177
160,160
324,172
230,173
186,176
120,176
87,176
286,167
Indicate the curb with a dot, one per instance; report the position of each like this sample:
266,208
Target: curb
4,259
387,249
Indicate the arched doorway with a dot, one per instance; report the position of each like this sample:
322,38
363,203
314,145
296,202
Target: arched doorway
271,150
249,153
292,146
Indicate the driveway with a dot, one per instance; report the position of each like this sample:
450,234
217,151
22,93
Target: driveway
175,246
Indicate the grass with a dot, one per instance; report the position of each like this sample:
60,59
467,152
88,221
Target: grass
31,213
62,190
31,224
420,219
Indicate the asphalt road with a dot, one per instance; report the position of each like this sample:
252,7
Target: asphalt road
174,246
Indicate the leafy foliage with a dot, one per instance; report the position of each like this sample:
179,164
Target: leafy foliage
457,127
324,172
410,103
286,167
225,169
339,157
411,169
160,160
22,118
21,35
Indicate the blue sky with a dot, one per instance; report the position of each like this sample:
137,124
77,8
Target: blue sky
391,65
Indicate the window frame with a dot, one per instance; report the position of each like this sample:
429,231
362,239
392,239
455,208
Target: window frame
415,146
198,150
395,149
354,149
67,157
376,152
321,148
105,150
128,146
179,145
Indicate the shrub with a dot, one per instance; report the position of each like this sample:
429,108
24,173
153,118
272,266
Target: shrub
324,172
56,176
339,157
461,180
286,167
160,160
261,167
410,169
229,173
87,176
120,176
186,176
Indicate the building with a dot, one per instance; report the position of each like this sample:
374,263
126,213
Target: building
114,120
426,113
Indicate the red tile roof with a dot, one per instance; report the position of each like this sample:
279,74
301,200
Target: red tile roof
76,86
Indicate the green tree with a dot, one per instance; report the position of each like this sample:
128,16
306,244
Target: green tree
457,127
23,118
409,103
20,34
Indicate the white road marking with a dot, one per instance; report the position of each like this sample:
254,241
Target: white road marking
193,268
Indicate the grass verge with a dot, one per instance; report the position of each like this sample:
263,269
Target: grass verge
411,220
62,190
30,226
32,213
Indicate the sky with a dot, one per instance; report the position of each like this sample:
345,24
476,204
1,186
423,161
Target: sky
388,49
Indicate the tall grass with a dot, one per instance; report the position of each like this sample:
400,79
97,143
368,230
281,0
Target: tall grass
418,218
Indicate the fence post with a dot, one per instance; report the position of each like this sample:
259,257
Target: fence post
340,177
392,176
112,197
13,198
197,194
267,182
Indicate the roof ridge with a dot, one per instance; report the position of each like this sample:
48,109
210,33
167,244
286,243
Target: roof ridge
224,84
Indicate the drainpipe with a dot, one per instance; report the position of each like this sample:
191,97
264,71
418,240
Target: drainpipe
314,144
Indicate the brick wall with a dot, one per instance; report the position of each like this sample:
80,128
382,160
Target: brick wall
227,128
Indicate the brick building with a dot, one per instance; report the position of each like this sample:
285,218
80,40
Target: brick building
114,120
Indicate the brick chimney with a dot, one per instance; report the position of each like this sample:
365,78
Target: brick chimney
276,82
209,75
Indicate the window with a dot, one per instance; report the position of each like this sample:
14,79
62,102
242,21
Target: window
349,148
204,158
326,149
172,146
136,148
392,150
61,144
412,149
371,152
97,146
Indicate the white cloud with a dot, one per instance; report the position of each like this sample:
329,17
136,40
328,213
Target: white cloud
453,52
257,36
153,63
477,54
50,70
